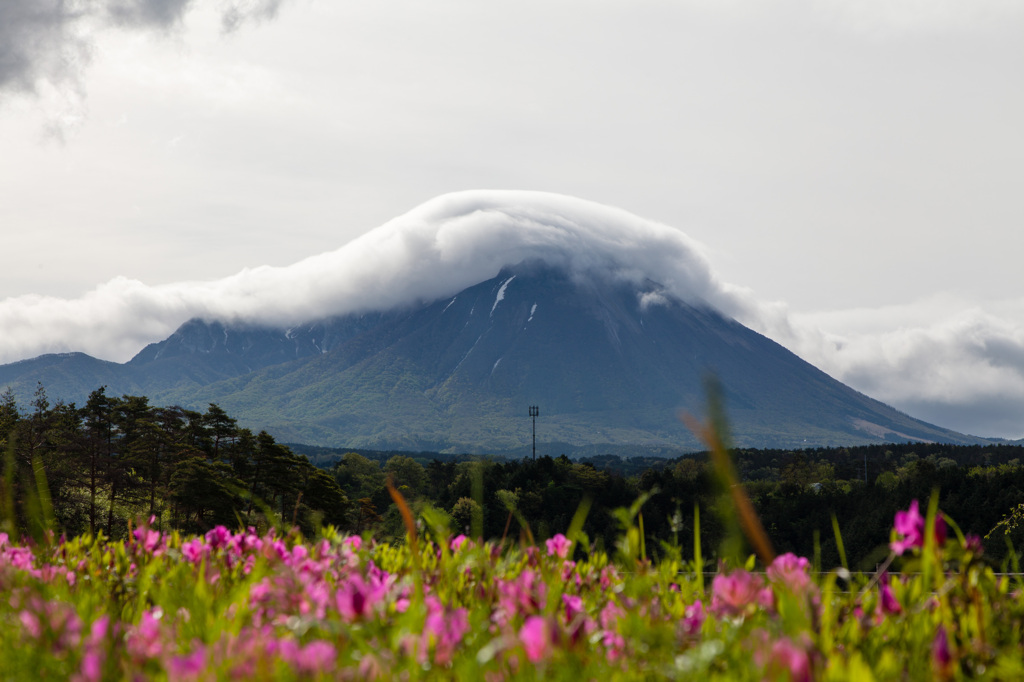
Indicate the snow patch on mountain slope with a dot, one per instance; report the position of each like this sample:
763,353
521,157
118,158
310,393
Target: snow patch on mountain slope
501,294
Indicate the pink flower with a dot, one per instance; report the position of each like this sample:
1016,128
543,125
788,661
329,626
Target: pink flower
19,557
356,597
30,622
909,525
144,642
317,656
610,615
525,595
558,545
95,651
942,655
887,599
573,605
194,550
189,666
55,620
92,667
151,540
693,618
218,536
733,594
537,636
615,644
456,542
972,543
444,629
785,656
791,571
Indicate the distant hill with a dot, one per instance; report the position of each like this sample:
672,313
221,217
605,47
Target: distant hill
610,364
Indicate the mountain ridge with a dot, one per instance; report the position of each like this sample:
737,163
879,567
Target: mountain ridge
608,361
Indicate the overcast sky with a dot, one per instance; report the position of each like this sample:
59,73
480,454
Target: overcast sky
855,166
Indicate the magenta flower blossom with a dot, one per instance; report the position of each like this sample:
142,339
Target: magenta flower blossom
942,655
30,623
909,526
456,542
887,601
443,631
972,543
610,615
316,657
152,541
786,656
91,669
95,651
693,618
356,598
195,550
573,606
537,636
56,622
145,641
219,536
558,546
187,667
733,594
524,596
791,571
18,557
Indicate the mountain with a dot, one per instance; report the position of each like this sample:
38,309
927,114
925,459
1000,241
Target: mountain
610,363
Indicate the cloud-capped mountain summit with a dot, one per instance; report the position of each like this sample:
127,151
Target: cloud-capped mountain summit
435,250
611,360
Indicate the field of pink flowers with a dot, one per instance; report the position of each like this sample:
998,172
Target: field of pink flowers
247,606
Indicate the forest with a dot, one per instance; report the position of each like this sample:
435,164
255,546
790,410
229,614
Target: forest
116,460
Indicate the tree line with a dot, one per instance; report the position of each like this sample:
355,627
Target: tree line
116,459
796,494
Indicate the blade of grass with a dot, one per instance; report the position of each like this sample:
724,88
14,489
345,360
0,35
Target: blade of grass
578,519
713,434
698,559
410,528
839,543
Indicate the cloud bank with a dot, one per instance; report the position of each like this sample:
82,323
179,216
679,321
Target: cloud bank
47,45
435,250
943,361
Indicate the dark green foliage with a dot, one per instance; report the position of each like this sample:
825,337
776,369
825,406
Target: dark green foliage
115,461
118,459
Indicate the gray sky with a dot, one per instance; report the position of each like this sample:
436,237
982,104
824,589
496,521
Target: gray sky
854,165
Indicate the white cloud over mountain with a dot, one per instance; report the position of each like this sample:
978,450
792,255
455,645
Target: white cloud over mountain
941,360
435,250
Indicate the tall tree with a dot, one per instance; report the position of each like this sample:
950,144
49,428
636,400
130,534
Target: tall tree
98,416
222,429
